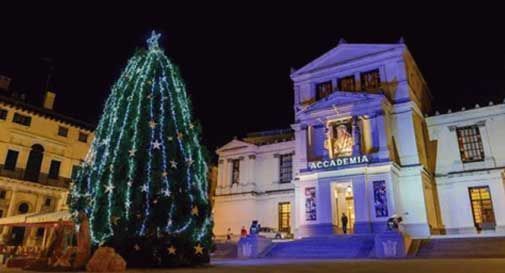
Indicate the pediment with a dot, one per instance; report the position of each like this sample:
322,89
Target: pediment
235,145
341,98
344,53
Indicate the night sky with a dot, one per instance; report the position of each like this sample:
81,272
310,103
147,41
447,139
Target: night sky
236,59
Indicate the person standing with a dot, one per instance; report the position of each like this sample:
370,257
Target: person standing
243,232
344,221
228,234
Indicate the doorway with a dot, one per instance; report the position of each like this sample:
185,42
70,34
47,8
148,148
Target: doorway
17,236
34,163
342,202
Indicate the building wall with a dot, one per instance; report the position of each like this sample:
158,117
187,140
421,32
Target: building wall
454,177
259,191
43,131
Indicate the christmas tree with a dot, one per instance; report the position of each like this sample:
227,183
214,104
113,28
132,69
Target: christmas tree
143,184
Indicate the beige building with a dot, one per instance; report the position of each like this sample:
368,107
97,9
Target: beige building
40,152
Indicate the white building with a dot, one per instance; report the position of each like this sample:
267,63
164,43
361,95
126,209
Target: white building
362,146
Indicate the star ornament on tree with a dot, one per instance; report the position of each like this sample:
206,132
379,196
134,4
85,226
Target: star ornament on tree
156,145
109,188
194,211
152,124
132,152
171,250
198,249
144,188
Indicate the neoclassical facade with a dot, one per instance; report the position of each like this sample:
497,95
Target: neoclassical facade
362,145
40,151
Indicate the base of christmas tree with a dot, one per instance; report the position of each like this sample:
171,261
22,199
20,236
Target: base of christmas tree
142,252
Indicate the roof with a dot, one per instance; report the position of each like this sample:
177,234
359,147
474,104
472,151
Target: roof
269,137
47,113
344,53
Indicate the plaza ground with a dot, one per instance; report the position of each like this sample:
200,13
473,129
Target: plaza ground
348,266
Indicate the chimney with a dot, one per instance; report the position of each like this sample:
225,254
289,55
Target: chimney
4,83
49,98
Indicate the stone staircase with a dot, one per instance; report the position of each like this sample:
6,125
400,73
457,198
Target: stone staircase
224,250
473,247
324,247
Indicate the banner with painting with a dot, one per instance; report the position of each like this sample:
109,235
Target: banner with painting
340,140
310,204
380,198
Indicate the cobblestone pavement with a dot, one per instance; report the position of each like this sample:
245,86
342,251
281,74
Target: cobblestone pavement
347,266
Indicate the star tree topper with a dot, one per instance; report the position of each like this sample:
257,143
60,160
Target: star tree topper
152,42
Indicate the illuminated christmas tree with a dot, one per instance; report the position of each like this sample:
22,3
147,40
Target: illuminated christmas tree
144,181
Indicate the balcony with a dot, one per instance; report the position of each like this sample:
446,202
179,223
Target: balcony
43,179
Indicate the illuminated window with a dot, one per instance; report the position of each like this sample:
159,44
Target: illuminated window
323,89
470,144
346,83
235,171
285,217
482,207
370,80
286,168
22,119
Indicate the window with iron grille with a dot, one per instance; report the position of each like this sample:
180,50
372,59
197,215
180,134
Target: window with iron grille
346,83
370,80
3,114
22,119
286,168
235,171
323,89
470,143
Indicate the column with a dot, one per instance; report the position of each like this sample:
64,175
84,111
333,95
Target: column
382,137
361,205
10,212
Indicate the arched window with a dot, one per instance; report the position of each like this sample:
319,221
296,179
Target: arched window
32,172
23,208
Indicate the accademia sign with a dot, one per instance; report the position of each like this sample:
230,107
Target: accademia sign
340,161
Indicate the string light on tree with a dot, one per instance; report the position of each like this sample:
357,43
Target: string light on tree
147,128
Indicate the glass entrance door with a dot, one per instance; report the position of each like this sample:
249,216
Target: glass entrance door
482,208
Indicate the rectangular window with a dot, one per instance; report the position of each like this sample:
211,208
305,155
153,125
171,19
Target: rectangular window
54,169
482,208
347,83
310,204
470,144
285,217
40,232
286,168
3,114
2,194
323,89
11,160
370,80
22,119
83,137
47,203
235,171
380,198
75,171
1,213
62,131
